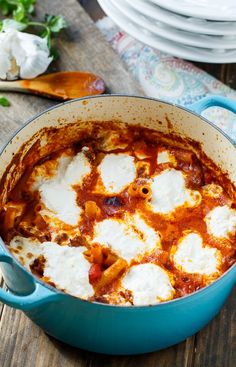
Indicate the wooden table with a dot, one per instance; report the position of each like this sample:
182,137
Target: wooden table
23,344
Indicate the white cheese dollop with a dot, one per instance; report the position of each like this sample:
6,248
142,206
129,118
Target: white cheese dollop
77,169
149,284
57,193
68,269
51,169
65,266
169,192
128,238
221,221
117,171
192,257
22,55
26,250
61,201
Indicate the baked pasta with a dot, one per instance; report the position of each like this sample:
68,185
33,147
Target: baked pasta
119,214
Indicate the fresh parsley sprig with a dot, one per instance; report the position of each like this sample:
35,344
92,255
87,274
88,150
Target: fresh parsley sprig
21,12
19,9
52,24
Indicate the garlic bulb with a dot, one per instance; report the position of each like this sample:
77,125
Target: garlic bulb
22,55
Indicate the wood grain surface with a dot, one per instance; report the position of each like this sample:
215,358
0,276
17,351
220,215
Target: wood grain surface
23,344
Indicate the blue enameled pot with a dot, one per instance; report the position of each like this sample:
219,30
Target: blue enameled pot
114,329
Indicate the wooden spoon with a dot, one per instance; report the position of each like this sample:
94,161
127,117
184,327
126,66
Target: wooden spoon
62,85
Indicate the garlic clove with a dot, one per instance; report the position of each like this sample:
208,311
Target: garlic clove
34,66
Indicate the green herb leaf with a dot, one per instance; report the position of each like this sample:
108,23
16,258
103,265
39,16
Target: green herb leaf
55,22
4,102
19,13
20,9
29,5
6,7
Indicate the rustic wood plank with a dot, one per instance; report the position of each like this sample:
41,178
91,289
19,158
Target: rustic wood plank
93,9
1,285
216,344
175,356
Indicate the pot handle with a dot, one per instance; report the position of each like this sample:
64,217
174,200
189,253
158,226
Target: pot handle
41,294
213,101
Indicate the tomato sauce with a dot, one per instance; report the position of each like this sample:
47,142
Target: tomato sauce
198,171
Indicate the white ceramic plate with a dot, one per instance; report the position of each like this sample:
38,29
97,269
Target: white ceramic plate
174,34
186,23
164,45
206,9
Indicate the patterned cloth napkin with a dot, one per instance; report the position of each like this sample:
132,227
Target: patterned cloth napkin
168,78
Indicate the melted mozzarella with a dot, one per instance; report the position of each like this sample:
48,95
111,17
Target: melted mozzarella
128,238
65,266
149,284
51,169
117,171
169,192
26,250
68,269
57,193
192,257
61,201
221,221
77,170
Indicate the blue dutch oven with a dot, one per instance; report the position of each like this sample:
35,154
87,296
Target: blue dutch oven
106,328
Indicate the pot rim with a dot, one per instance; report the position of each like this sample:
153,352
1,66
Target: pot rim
55,290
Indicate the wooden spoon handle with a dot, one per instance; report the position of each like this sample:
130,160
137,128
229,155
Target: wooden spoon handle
12,86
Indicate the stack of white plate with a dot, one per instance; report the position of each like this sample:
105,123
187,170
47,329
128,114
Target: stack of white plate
198,30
